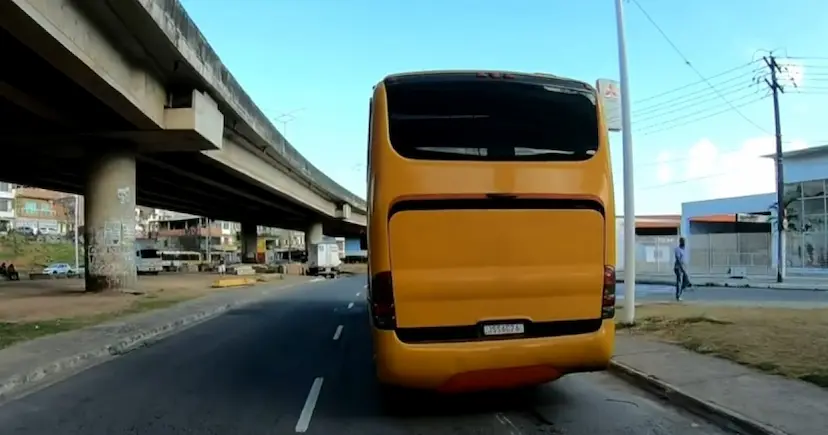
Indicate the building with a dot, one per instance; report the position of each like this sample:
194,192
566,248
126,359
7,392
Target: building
655,238
6,206
43,211
749,239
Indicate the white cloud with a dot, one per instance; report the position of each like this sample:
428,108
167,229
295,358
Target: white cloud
716,173
664,172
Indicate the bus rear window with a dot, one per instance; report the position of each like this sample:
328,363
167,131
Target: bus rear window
491,120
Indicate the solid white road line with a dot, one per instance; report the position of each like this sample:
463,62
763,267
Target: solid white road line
351,305
338,332
310,404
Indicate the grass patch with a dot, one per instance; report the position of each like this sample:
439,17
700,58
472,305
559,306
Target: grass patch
14,332
787,342
27,254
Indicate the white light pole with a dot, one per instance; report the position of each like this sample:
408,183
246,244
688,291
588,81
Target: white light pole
77,207
629,194
285,118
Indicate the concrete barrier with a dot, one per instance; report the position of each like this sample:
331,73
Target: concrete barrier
233,282
241,269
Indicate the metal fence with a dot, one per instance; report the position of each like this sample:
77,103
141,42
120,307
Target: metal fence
654,254
715,254
710,254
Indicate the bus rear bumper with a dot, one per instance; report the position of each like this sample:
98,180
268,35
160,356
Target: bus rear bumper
483,365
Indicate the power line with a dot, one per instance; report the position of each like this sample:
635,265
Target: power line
700,82
678,110
731,83
684,181
699,115
689,64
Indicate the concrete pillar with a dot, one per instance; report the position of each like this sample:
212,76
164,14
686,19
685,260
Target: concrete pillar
313,235
109,222
249,242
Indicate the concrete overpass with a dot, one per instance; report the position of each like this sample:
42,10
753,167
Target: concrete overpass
126,103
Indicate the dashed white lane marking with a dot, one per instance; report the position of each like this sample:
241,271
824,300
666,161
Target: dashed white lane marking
365,286
351,305
358,293
338,332
310,404
513,430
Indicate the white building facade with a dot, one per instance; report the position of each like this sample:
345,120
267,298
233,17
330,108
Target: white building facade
805,248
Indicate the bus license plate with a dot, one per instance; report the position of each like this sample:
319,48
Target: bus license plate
503,329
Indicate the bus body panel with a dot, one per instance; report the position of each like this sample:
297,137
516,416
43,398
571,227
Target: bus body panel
443,366
496,265
456,266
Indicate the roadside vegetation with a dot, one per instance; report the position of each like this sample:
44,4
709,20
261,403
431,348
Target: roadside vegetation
783,341
28,254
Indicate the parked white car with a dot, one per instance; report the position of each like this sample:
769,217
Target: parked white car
58,269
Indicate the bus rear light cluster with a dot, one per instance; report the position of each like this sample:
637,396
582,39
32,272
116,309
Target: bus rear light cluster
608,297
381,300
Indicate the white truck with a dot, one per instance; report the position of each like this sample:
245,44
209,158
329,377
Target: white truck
323,259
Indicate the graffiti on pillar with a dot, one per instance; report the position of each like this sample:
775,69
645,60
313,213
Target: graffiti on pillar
123,195
111,253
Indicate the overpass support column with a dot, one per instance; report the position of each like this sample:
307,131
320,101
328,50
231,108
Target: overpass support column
109,222
313,235
249,242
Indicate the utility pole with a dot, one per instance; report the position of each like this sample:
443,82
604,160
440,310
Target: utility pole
629,189
209,239
776,88
77,251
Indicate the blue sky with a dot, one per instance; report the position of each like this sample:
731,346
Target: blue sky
318,59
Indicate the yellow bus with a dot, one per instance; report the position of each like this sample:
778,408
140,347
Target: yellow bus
491,230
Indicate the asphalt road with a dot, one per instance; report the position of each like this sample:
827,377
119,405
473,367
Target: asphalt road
302,362
730,296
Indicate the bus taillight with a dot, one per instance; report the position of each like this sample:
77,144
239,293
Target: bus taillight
608,299
381,300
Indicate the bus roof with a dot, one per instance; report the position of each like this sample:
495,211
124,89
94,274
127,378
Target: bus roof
537,77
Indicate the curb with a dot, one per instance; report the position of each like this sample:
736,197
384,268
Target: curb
43,375
234,282
723,417
726,284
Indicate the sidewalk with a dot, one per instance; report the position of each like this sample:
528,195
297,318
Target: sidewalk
744,400
32,364
768,282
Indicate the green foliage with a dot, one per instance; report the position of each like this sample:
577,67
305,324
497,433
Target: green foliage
27,253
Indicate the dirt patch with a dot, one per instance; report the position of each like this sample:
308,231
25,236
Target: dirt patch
33,309
788,342
27,301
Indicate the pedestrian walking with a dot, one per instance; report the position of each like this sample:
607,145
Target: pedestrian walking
680,268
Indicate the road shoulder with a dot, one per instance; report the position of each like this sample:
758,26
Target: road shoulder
741,398
34,364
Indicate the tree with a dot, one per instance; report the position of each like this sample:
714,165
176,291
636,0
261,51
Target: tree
790,213
68,204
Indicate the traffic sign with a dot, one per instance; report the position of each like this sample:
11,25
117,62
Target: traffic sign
609,92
